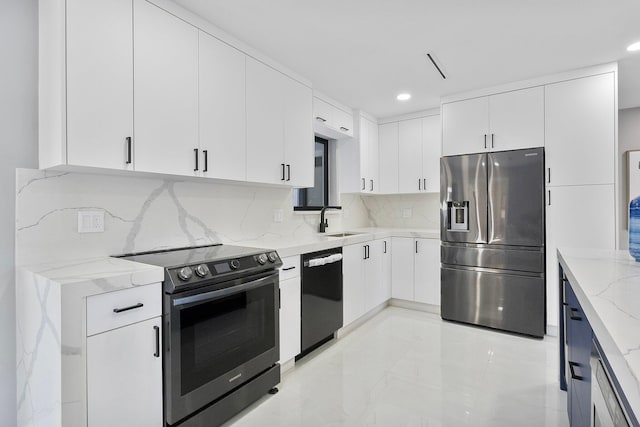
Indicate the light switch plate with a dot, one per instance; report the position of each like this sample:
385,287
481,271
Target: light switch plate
406,213
90,221
277,215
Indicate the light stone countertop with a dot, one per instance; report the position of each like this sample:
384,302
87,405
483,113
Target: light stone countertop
607,284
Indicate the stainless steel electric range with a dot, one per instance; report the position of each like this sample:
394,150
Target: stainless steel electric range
220,338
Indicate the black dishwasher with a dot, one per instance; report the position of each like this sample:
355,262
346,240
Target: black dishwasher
321,305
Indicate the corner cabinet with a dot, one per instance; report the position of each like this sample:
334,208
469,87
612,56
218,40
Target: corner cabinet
279,128
124,358
416,270
504,121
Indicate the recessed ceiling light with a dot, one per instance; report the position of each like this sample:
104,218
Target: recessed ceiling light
633,47
403,97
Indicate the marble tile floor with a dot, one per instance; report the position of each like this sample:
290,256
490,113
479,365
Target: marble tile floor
409,368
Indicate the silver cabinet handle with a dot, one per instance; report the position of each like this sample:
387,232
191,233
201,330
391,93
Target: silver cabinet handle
344,129
322,119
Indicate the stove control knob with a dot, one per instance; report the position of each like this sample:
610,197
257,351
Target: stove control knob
273,257
185,273
234,264
202,270
262,259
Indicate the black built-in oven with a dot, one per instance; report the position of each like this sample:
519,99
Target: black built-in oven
217,338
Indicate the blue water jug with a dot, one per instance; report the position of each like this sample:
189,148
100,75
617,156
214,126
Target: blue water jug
634,228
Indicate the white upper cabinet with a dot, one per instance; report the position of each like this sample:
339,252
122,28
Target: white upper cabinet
165,92
431,153
99,83
373,157
465,126
331,121
221,87
265,119
410,178
279,131
298,134
388,149
504,121
580,131
516,119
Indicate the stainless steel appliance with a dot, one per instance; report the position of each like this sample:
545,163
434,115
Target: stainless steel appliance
606,407
220,340
493,237
321,309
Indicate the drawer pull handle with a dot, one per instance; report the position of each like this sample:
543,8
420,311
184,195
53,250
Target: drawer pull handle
120,310
157,330
573,374
573,316
288,268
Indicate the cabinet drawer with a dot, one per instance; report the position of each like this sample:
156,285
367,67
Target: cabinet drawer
115,309
290,267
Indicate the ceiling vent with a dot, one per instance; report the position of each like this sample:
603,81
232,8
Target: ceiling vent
434,61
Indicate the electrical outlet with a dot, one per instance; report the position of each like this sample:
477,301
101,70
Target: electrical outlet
406,213
277,215
90,221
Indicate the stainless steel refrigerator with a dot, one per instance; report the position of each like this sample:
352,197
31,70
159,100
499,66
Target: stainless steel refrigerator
492,232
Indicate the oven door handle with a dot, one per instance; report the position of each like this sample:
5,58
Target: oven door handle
212,295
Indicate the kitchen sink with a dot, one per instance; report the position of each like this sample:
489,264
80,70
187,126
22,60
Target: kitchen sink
342,234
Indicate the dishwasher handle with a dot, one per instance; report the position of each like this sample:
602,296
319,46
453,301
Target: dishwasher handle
317,262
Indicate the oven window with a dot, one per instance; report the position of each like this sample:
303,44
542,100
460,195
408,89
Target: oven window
218,336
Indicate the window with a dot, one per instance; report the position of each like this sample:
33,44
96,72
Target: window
318,196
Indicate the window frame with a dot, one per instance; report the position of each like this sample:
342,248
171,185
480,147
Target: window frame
302,192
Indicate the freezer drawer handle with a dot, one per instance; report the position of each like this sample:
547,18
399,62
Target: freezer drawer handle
573,374
133,307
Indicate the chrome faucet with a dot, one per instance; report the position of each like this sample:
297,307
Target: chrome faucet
324,223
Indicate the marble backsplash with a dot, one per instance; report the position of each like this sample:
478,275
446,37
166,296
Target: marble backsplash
148,213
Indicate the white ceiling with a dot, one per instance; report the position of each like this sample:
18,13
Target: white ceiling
364,52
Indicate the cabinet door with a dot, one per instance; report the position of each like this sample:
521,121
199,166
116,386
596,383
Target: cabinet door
516,119
222,121
99,82
388,147
373,145
166,91
427,271
298,134
580,131
386,273
343,121
364,156
402,259
353,290
465,126
265,124
410,156
322,111
373,286
289,318
124,377
580,217
431,146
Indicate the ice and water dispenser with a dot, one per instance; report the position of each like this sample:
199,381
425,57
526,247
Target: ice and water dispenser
458,216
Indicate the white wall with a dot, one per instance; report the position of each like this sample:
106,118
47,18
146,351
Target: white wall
18,148
628,139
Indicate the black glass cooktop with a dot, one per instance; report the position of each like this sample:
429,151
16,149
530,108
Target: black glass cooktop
194,255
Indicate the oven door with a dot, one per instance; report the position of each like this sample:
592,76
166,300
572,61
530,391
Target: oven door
216,339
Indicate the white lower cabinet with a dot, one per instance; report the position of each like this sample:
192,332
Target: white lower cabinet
416,270
290,308
366,277
124,376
